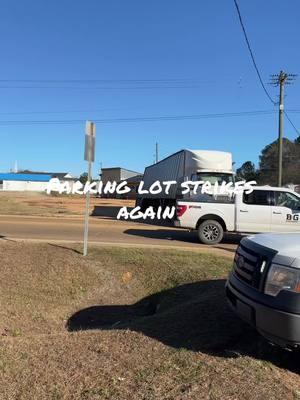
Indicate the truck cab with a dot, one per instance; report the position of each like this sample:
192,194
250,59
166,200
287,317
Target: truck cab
269,210
264,286
265,209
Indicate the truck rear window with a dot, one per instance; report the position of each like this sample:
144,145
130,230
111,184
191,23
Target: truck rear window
258,198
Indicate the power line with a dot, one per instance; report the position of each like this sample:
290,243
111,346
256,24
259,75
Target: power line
107,84
251,53
103,84
255,65
61,111
290,121
109,81
139,119
105,87
126,81
293,111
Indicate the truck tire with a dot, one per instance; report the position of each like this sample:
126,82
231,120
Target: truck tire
210,232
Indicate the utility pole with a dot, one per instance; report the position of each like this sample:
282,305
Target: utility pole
280,80
156,152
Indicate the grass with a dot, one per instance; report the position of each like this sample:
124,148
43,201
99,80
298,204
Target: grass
27,203
41,204
128,324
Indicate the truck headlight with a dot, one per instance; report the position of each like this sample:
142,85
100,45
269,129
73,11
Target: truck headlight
282,278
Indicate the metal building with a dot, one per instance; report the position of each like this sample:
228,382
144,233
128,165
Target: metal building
117,174
33,181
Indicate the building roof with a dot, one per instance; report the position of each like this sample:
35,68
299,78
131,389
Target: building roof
120,168
59,175
135,179
25,177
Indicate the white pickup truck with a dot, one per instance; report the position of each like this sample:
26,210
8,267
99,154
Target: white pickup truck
266,209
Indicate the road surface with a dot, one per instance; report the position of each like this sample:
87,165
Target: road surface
106,232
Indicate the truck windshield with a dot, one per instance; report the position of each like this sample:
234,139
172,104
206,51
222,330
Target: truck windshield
213,178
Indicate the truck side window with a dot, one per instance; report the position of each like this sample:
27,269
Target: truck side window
257,198
286,199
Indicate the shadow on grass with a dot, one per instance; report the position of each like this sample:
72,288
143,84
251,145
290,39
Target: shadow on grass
181,235
65,248
193,316
6,238
111,212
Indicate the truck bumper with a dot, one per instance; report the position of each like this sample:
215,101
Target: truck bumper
279,327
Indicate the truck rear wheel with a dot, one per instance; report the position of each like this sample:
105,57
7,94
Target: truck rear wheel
210,232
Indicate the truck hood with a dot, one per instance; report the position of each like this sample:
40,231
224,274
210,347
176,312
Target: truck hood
286,244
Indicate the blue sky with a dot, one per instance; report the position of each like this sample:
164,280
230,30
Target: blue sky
197,42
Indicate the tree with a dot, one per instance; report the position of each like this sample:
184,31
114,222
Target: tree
297,141
247,172
83,178
268,165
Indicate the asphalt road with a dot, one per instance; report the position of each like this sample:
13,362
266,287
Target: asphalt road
106,232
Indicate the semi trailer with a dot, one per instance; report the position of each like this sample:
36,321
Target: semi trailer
185,165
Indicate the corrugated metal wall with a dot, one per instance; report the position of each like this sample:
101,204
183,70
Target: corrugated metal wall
169,169
24,186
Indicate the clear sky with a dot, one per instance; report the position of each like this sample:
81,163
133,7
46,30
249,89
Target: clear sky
191,56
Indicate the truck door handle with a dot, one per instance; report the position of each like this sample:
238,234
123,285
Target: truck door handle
277,213
243,211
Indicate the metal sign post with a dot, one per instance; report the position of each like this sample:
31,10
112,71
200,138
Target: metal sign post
89,156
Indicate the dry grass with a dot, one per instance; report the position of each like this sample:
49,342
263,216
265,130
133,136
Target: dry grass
41,204
154,325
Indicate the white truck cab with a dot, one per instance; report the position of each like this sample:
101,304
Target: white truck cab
266,209
264,286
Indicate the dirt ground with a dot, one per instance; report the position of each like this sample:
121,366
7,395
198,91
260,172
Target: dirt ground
128,324
32,203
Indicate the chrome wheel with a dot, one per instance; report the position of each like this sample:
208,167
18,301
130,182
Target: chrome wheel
211,232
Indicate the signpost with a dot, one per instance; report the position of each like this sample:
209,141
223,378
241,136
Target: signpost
89,156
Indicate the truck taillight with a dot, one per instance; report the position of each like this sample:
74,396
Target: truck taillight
180,210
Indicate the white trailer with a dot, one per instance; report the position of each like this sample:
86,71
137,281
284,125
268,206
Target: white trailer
185,165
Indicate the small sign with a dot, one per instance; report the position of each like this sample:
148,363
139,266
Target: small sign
90,136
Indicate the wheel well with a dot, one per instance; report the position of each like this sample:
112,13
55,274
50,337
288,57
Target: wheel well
214,217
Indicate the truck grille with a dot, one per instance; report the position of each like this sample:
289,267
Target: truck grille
250,264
